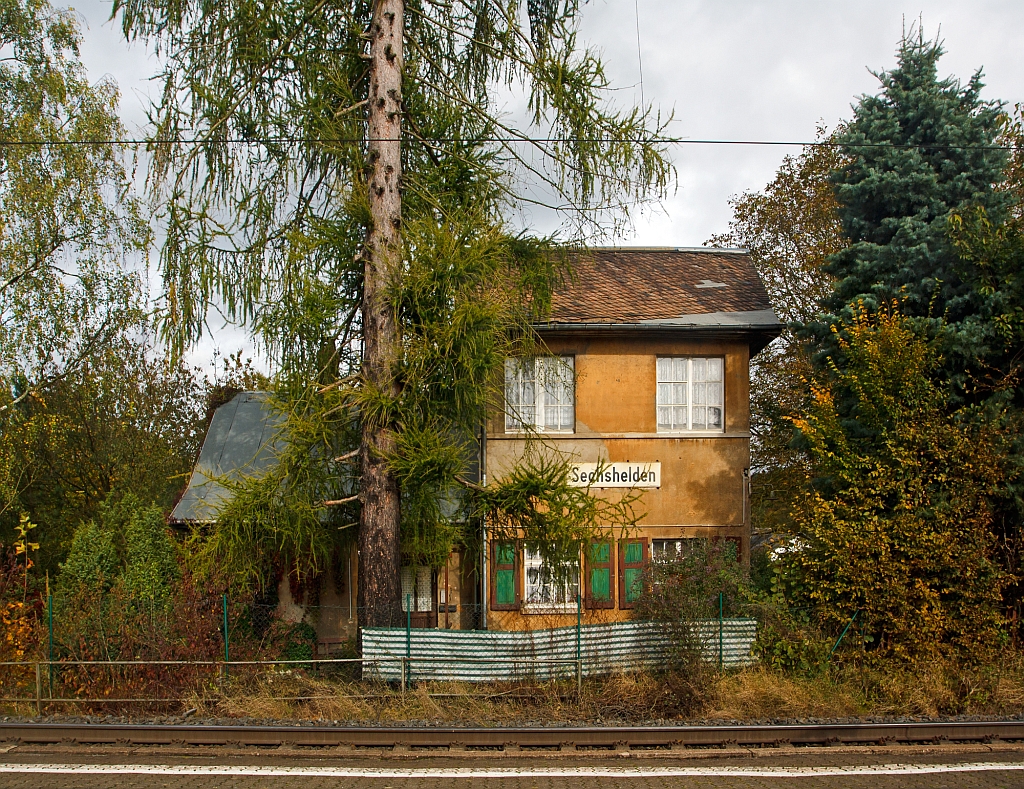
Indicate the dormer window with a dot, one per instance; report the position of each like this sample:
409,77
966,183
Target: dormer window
691,394
540,394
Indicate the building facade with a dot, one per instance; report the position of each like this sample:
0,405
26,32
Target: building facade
645,386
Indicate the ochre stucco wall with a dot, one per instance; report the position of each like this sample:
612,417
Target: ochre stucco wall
703,482
704,475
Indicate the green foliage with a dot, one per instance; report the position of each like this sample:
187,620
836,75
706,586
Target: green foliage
535,503
791,228
280,518
92,561
792,646
69,229
271,232
685,588
124,419
920,150
300,642
682,593
83,406
130,548
897,524
990,246
151,566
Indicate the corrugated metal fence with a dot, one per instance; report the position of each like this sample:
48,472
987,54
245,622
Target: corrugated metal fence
481,655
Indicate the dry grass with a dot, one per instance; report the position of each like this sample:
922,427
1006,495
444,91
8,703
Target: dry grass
758,693
935,689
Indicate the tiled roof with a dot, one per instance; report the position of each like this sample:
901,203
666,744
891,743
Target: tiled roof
663,287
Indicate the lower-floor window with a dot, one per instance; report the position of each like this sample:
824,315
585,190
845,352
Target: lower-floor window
669,550
672,550
545,588
417,589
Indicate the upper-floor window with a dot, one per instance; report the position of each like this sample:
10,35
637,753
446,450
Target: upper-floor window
540,394
691,393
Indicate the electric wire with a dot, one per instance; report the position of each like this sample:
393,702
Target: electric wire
639,52
128,142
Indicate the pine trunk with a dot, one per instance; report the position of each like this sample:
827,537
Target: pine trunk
379,586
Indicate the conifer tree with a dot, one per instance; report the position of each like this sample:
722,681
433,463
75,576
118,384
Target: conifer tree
918,152
340,177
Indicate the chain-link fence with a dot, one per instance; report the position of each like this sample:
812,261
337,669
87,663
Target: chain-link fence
105,651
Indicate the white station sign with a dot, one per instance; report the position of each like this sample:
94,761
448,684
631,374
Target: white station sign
615,475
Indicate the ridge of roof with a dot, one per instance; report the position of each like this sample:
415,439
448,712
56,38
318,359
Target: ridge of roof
712,250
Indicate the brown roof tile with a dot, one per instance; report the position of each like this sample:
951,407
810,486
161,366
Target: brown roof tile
654,286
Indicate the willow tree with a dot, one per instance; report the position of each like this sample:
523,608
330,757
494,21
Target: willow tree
341,177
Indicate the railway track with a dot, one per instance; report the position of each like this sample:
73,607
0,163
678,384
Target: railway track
441,737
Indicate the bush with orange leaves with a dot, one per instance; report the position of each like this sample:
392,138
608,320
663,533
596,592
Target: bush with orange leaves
896,521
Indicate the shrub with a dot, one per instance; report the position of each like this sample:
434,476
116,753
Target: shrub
682,593
896,519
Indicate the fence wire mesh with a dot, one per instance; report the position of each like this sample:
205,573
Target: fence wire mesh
106,651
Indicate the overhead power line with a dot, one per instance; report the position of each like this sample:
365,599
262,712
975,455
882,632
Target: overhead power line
540,140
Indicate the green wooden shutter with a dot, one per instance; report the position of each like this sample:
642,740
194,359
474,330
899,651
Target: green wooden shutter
504,588
632,557
599,575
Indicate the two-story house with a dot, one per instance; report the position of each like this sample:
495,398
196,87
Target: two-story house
646,385
645,382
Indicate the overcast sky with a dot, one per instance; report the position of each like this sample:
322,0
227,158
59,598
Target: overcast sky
728,70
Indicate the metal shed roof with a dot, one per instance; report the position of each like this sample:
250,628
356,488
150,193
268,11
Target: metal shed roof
242,441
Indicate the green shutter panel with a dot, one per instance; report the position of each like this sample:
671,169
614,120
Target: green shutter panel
633,584
505,587
601,584
504,581
632,556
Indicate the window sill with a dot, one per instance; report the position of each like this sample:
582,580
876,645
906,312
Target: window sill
548,608
526,433
690,433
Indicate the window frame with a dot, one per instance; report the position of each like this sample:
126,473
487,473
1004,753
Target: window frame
688,428
679,543
416,580
590,566
516,570
541,368
624,601
527,606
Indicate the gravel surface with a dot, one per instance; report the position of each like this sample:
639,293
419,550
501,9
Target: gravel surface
185,719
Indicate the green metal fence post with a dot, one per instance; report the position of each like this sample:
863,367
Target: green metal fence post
227,640
579,653
721,627
408,640
49,653
843,634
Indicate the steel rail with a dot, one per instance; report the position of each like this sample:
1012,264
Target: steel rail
496,738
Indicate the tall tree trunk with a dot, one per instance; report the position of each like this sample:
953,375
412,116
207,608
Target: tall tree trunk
379,586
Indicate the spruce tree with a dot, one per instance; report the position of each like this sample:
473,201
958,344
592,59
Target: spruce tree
920,151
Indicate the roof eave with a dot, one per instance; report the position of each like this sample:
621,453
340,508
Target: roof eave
756,335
